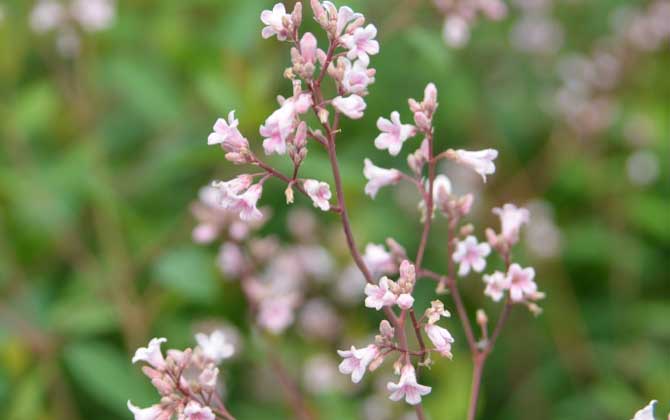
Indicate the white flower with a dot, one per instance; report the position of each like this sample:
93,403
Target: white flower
471,254
151,354
378,177
361,43
480,161
214,346
647,413
394,133
378,260
407,387
379,295
155,412
511,220
441,339
319,192
356,361
195,411
521,283
496,284
275,22
352,106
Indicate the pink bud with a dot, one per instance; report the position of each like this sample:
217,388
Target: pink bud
308,47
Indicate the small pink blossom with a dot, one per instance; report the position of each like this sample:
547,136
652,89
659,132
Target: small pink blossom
194,411
441,339
496,284
93,15
231,260
480,161
209,377
229,137
356,361
214,346
229,191
378,260
521,282
277,128
407,387
275,22
356,77
511,220
151,354
344,16
379,295
361,43
155,412
246,204
308,48
394,133
379,177
646,413
405,301
352,106
456,31
277,313
319,192
470,254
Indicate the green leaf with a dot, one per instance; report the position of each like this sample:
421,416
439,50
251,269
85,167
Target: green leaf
188,272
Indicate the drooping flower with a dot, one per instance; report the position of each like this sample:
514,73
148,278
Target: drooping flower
394,133
511,220
521,282
356,77
361,43
352,106
379,177
471,255
407,387
378,260
480,161
195,411
441,339
379,295
356,361
319,192
246,203
214,346
155,412
646,413
151,354
496,284
274,21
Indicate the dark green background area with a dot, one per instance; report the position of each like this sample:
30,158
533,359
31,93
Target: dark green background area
101,155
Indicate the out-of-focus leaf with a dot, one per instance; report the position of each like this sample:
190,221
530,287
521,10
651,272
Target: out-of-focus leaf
651,214
28,399
188,272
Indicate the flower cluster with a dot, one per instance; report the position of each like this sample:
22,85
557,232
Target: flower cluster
187,380
64,17
461,15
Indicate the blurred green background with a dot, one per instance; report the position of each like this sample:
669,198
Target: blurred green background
102,151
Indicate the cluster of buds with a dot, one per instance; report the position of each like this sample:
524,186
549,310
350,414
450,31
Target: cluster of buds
388,292
186,380
461,15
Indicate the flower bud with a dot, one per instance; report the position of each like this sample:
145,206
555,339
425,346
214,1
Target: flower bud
296,15
288,192
482,319
386,329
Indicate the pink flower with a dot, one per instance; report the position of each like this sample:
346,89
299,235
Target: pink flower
277,128
151,354
394,133
352,106
277,313
511,220
47,15
480,161
379,295
361,43
646,413
208,378
471,254
356,361
407,387
521,282
496,284
441,339
456,31
405,301
319,192
228,191
155,412
356,77
231,260
214,346
378,260
246,204
344,16
308,47
195,411
94,15
275,22
229,137
378,177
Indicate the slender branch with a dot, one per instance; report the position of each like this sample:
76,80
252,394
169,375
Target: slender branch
419,337
428,199
290,388
477,370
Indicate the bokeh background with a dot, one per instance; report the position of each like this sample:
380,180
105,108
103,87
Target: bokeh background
103,148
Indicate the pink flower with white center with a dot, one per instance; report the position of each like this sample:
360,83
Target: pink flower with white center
441,339
155,412
405,301
361,43
379,295
246,204
352,106
496,284
521,282
394,133
407,387
646,413
228,136
214,346
511,220
378,260
94,15
319,192
275,314
356,77
277,128
356,361
379,177
471,255
275,22
195,411
480,161
308,47
151,354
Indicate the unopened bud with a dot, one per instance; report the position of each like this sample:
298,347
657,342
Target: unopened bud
482,319
323,115
467,229
288,192
296,15
386,329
